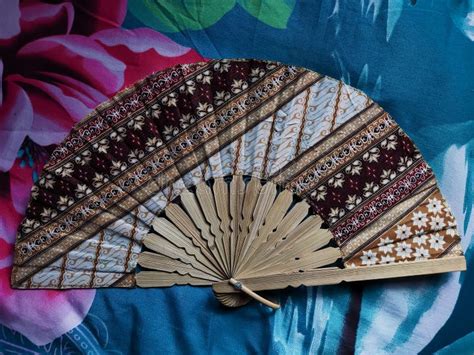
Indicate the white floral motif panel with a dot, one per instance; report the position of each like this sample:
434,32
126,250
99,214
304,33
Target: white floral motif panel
425,233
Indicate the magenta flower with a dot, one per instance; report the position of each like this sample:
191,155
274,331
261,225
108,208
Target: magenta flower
57,62
55,68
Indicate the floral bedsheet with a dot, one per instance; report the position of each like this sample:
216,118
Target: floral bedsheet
59,59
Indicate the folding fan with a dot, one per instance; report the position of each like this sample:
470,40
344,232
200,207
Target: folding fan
242,175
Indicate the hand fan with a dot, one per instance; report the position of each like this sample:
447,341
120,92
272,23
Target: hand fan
242,175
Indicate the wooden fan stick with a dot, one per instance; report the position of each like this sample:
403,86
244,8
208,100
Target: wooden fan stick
221,197
241,287
295,216
191,205
252,191
304,239
163,246
166,264
206,201
332,276
237,190
187,227
270,224
265,200
281,264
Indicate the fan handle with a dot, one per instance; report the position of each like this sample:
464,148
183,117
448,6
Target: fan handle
239,286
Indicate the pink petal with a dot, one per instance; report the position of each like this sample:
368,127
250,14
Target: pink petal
141,40
59,102
6,250
40,20
77,56
93,16
16,118
67,77
9,18
1,82
6,254
9,220
42,316
73,87
144,51
21,181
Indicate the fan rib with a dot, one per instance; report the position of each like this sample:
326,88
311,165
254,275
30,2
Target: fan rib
272,220
176,215
164,279
237,190
306,237
179,217
162,246
169,231
264,203
164,263
191,205
297,237
283,264
310,241
252,191
288,223
221,196
206,201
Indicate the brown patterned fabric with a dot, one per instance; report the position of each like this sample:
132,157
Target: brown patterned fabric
314,135
426,231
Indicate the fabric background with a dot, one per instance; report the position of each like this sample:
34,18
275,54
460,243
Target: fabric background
414,57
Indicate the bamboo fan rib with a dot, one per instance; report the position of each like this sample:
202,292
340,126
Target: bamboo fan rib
234,230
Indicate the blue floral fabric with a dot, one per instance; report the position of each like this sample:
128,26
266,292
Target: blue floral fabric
416,59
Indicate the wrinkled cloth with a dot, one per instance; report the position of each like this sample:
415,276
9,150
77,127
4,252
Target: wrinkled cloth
414,57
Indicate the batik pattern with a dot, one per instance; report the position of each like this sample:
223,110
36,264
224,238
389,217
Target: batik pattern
314,135
427,231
